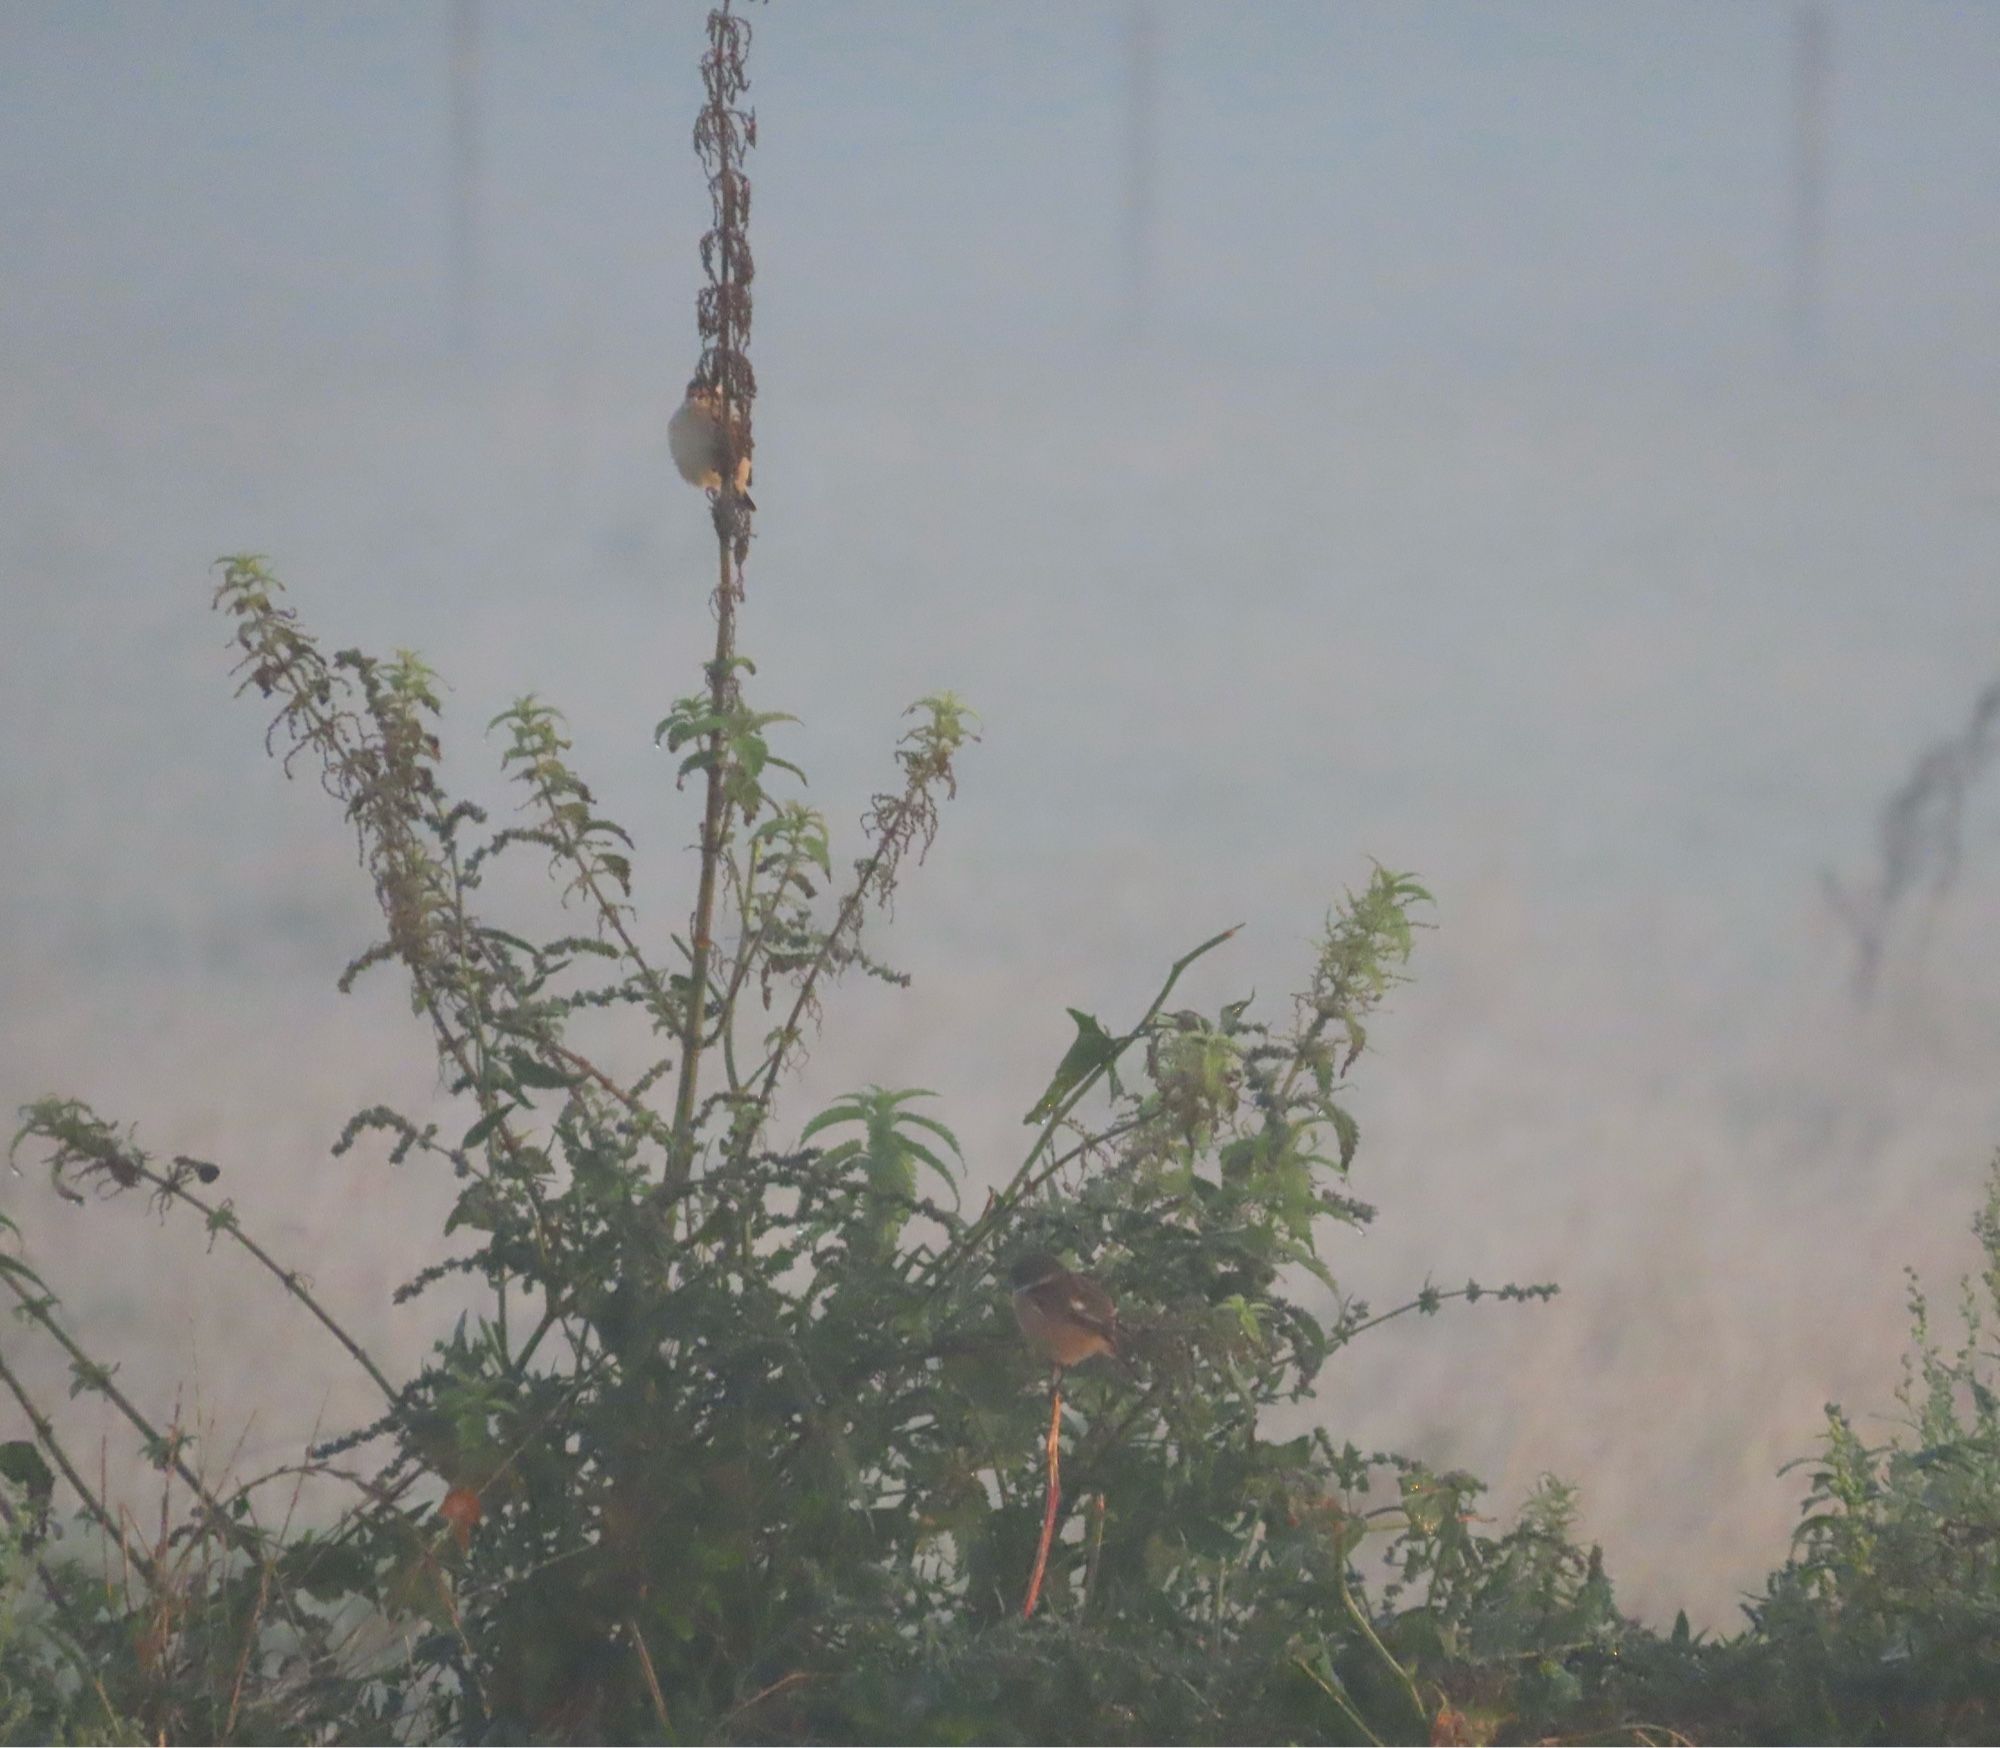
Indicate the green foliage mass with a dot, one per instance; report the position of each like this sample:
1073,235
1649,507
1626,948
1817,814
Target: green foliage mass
741,1441
752,1449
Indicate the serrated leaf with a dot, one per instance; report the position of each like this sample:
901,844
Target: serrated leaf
917,1150
1349,1133
842,1113
920,1121
531,1071
486,1125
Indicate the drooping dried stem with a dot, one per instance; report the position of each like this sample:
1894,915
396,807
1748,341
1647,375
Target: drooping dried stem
723,133
85,1147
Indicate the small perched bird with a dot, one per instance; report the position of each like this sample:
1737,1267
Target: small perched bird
1068,1316
700,445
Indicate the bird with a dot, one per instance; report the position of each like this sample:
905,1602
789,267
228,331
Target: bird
701,446
1067,1316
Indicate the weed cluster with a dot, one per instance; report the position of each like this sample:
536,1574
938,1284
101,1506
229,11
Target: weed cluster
742,1442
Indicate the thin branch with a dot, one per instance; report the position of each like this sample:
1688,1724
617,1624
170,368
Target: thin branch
162,1450
1346,1711
652,1679
571,845
1023,1180
45,1434
1359,1616
844,920
648,1117
783,1684
220,1220
1429,1301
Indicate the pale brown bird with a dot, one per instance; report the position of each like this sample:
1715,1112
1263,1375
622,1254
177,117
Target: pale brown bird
1067,1316
701,446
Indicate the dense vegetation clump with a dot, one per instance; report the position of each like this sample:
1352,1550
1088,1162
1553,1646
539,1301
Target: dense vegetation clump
741,1441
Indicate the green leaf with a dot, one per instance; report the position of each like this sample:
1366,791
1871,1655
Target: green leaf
1349,1133
328,1571
935,1127
486,1125
917,1150
21,1462
847,1112
531,1071
1093,1049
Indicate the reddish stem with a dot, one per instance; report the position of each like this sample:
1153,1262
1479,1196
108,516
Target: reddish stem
1055,1498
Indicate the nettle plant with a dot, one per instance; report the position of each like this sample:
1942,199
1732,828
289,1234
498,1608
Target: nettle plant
747,1440
743,1441
1884,1624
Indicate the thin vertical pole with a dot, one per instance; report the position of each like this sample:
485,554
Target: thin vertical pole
1141,153
1812,54
463,289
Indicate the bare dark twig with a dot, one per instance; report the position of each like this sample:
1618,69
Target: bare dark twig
1920,831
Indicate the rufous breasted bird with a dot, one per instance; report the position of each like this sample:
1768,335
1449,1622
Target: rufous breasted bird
1068,1317
701,446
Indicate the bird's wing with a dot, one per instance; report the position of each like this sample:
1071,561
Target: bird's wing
1089,1304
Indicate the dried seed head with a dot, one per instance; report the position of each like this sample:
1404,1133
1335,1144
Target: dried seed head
715,435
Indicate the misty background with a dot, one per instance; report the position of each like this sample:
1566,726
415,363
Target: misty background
1546,447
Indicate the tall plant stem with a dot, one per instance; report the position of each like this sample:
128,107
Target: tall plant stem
714,822
722,310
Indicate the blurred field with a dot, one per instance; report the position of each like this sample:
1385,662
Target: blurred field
1617,700
1617,651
